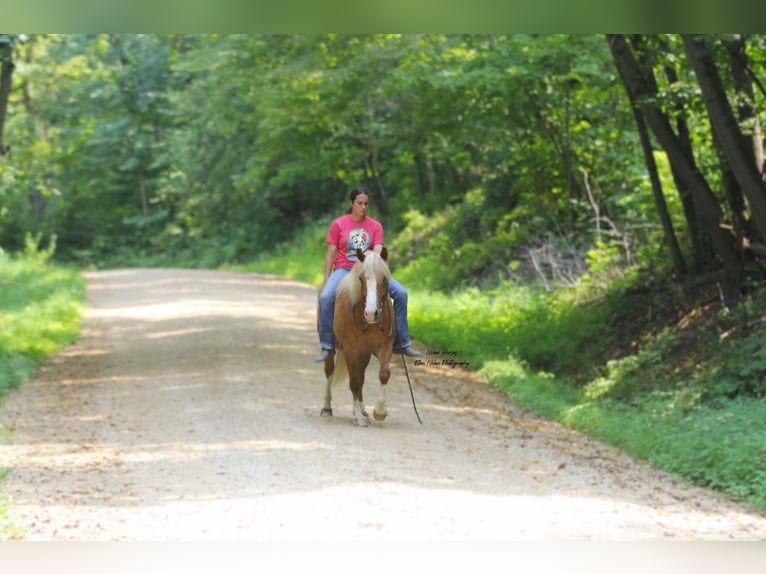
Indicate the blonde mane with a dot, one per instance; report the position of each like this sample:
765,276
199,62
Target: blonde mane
373,264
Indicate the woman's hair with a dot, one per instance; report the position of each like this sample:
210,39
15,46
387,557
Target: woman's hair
357,191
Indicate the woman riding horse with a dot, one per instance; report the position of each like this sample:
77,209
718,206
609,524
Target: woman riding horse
348,233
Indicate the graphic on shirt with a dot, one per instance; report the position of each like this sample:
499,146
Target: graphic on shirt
357,239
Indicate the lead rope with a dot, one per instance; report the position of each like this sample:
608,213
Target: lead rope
406,372
404,362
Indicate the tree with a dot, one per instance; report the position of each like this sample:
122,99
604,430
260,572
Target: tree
643,94
6,76
737,148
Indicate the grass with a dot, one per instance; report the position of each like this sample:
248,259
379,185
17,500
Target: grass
40,309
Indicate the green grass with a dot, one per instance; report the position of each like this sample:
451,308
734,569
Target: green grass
40,309
548,331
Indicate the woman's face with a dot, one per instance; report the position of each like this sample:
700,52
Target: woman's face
359,206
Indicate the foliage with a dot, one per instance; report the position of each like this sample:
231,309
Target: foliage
40,307
550,332
301,259
209,149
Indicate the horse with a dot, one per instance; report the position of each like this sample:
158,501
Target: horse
364,325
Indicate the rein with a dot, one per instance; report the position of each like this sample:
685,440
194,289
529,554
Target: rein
406,372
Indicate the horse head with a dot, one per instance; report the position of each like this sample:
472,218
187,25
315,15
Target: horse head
374,279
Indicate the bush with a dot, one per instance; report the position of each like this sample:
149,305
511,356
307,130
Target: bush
550,332
302,259
40,309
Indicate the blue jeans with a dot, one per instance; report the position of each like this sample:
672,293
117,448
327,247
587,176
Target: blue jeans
327,306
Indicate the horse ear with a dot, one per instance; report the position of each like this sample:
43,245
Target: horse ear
384,253
360,254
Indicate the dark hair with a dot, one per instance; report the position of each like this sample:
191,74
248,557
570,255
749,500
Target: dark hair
360,190
357,191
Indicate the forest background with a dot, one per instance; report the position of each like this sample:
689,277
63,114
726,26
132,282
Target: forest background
580,218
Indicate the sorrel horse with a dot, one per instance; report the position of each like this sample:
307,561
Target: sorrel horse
364,325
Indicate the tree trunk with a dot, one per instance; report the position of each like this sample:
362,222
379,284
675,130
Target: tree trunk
142,191
6,76
659,198
702,252
710,212
421,177
738,153
734,197
379,197
747,111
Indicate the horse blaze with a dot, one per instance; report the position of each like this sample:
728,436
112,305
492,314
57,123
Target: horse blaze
371,303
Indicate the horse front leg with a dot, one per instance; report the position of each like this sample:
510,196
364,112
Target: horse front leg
361,417
356,384
380,412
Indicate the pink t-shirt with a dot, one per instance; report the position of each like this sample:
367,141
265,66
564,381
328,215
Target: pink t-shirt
349,235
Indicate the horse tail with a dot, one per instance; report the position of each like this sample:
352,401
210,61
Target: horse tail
340,373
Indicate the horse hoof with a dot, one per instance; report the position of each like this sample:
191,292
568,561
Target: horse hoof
361,422
379,416
326,412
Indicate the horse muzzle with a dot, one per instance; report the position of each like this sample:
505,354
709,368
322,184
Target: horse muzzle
372,316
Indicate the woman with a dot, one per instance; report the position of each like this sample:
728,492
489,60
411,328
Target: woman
352,231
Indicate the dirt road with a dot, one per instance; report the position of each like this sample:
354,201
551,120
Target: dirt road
189,410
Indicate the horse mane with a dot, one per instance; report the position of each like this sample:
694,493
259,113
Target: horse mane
372,263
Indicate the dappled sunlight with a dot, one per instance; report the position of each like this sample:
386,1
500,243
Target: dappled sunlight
177,333
462,409
75,351
188,308
300,349
85,455
80,381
